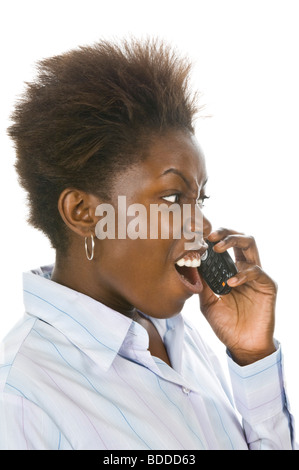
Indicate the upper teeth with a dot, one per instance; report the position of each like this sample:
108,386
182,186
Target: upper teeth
195,263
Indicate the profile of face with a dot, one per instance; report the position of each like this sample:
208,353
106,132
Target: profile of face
143,273
149,274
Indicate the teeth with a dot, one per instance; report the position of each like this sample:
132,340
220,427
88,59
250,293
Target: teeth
181,262
195,263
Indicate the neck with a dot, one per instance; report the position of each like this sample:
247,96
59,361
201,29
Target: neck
83,276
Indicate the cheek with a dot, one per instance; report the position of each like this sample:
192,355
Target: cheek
131,263
141,273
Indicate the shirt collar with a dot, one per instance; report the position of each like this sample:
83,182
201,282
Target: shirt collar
94,328
99,331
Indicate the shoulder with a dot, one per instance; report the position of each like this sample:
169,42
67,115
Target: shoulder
12,345
25,355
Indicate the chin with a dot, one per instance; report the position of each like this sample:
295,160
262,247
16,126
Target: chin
164,309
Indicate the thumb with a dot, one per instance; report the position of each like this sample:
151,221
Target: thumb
207,298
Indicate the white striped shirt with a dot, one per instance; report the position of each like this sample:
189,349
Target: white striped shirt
75,374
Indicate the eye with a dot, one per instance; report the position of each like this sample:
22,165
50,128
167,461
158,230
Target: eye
200,201
173,198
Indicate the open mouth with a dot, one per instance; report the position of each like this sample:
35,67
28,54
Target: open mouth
187,268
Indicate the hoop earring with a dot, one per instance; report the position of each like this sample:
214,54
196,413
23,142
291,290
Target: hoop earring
89,256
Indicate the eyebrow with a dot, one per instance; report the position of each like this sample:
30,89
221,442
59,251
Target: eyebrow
179,173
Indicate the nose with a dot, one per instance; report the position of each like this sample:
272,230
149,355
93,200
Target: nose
198,223
196,226
207,227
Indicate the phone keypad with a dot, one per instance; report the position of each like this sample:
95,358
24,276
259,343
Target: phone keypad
216,269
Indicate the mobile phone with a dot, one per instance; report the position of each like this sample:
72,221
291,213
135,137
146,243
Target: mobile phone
216,269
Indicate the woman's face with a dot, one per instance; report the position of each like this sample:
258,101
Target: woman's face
142,273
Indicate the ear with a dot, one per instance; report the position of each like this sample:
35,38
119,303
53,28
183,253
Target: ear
77,210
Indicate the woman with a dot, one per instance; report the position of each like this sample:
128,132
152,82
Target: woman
103,358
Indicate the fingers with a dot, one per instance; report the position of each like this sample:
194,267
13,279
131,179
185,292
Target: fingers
253,273
244,246
221,233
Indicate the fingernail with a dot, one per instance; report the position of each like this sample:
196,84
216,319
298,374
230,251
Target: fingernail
212,235
233,280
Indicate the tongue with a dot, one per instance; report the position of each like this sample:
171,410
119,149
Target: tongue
191,274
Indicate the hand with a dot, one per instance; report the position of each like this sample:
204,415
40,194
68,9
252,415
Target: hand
243,319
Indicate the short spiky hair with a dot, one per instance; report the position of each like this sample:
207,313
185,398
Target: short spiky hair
90,113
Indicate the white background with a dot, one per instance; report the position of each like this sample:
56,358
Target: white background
245,55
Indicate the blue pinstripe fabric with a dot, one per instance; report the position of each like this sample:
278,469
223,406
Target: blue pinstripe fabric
75,374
